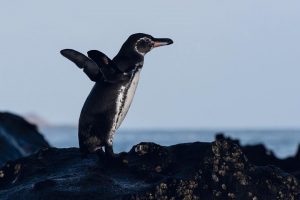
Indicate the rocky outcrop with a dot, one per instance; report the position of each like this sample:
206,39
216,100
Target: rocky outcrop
217,170
259,155
18,138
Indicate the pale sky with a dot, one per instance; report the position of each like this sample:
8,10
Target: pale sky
234,64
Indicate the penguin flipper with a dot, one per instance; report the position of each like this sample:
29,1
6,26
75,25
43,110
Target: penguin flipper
107,66
99,58
89,67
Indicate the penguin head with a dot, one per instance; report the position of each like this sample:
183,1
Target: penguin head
132,52
141,43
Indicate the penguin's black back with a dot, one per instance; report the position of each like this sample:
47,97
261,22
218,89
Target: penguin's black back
97,114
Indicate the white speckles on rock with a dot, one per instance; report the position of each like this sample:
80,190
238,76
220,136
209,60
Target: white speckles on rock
231,195
224,187
17,168
141,149
215,178
1,174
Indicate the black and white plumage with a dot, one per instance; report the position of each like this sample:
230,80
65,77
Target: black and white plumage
116,80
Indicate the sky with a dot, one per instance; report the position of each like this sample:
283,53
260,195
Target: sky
233,64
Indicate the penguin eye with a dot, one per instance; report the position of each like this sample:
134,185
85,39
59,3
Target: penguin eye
148,41
142,43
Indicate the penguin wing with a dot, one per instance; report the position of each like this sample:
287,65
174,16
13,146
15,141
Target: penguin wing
106,65
100,58
89,67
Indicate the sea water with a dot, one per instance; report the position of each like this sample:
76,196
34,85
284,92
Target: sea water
283,143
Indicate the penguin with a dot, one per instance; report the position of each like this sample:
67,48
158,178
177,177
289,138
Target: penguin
115,84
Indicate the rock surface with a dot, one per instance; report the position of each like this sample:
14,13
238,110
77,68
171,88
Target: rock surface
217,170
18,138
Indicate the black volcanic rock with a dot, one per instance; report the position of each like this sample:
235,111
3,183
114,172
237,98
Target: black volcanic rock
18,138
259,155
217,170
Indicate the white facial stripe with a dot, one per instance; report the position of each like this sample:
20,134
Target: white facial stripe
143,38
141,53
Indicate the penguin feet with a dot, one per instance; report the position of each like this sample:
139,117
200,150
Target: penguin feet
109,157
100,153
109,152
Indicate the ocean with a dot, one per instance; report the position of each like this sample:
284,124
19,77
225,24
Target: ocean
283,143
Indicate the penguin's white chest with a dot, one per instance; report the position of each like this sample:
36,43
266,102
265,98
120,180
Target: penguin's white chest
128,94
123,102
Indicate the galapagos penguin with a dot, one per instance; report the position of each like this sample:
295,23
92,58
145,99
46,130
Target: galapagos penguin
115,83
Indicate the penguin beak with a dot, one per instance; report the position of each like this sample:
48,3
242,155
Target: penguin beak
157,42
